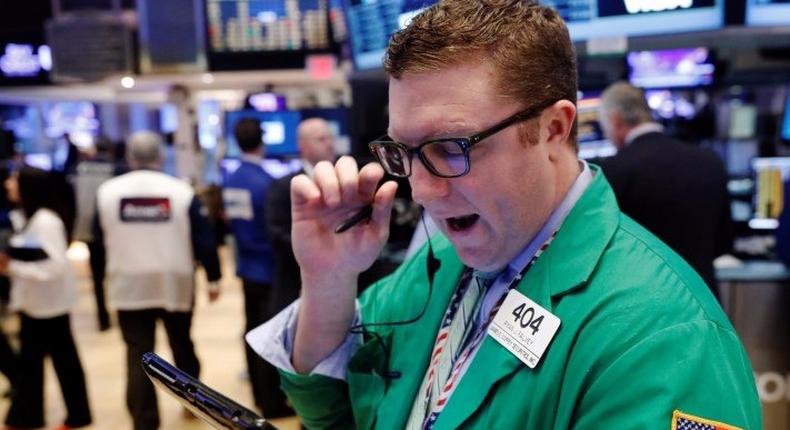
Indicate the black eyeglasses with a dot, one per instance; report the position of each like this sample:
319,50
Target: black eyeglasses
447,157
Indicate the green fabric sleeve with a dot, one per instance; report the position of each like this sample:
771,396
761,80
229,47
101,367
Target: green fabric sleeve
322,402
698,368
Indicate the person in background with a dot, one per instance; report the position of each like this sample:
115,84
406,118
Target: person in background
91,172
316,144
244,198
153,228
540,305
675,190
43,291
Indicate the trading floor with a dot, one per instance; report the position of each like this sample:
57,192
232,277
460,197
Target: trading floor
216,331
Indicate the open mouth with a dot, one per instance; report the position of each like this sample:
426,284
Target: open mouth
462,223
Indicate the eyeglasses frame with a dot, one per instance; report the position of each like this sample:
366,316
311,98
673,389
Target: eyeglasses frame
466,143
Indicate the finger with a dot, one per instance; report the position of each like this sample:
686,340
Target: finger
303,190
348,177
327,181
382,203
369,178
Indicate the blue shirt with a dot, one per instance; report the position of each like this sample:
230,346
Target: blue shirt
244,196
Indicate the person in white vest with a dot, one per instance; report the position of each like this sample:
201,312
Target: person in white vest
153,228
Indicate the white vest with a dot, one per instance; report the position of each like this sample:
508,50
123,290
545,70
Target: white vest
144,216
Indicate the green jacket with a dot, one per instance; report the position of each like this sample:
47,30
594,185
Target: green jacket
640,337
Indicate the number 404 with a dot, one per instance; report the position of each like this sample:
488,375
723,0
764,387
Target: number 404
525,317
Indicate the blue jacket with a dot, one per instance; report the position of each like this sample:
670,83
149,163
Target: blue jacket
244,197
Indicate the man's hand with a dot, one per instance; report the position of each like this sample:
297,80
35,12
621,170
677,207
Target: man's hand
320,204
331,262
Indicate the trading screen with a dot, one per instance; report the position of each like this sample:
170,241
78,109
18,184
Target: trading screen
267,25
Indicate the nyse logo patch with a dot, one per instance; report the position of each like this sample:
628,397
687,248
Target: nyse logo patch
145,209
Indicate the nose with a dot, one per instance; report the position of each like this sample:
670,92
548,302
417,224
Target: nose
425,186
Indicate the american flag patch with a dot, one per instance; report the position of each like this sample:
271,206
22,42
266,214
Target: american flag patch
683,421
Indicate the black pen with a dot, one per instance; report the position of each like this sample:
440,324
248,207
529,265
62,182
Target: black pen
355,219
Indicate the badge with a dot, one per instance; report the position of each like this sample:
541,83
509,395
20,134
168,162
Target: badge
238,203
145,209
524,328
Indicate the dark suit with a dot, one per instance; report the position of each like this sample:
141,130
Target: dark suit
286,282
678,192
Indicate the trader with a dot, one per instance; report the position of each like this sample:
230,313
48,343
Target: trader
153,227
540,305
675,190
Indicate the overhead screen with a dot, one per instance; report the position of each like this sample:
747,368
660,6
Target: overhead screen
372,22
590,18
264,34
767,12
671,68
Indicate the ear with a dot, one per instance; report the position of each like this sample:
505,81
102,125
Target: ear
556,124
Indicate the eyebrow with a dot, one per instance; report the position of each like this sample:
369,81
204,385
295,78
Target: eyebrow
447,133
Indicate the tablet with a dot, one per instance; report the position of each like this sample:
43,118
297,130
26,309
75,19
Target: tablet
209,405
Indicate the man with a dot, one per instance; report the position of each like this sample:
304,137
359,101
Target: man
244,197
316,143
604,327
676,191
153,227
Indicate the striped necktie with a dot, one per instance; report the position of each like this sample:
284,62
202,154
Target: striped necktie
450,341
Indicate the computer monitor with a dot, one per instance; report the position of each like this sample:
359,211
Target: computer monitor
590,19
671,68
770,175
784,126
767,12
592,142
372,22
279,132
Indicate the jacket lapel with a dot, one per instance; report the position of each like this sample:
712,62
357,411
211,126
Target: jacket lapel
414,342
565,265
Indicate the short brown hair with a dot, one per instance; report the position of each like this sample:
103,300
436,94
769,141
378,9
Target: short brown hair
528,44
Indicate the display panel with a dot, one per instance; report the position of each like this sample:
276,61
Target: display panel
253,34
592,142
767,12
671,68
372,22
770,177
785,125
279,131
590,18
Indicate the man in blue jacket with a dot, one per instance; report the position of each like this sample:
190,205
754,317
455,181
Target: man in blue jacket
244,196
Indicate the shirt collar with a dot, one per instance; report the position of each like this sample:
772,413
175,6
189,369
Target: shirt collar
641,130
252,158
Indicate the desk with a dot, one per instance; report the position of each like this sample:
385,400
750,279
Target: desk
756,297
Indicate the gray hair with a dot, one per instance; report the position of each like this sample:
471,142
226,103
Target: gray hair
144,149
629,101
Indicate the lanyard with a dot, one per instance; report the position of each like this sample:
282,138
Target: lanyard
458,364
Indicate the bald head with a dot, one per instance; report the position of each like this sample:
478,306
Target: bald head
144,150
316,141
